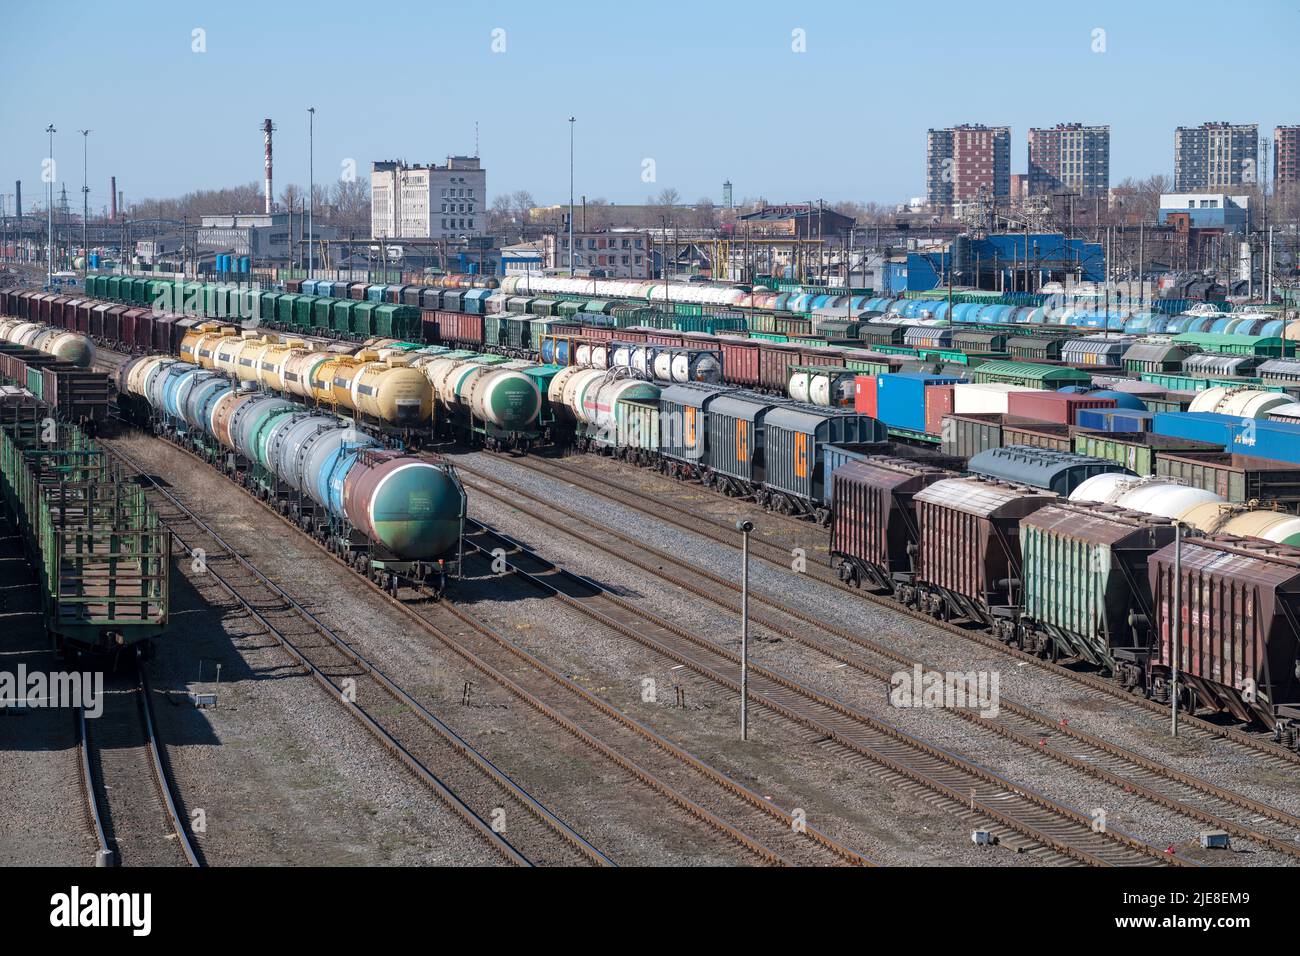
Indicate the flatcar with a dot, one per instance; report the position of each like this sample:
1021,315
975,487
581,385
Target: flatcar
101,554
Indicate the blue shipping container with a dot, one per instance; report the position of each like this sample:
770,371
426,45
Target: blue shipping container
900,398
1112,420
1279,441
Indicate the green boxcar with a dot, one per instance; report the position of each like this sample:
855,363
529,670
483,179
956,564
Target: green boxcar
1191,383
1269,346
1031,375
387,321
284,308
1084,575
320,313
1136,451
303,308
266,305
363,319
341,315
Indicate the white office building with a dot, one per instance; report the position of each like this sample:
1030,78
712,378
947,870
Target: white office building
428,202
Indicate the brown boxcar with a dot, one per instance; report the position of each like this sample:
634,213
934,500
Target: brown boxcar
740,358
1239,637
873,524
1038,435
774,362
664,337
968,563
460,328
144,322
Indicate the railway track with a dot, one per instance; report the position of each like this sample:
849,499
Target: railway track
779,554
719,802
460,776
961,782
132,806
1190,796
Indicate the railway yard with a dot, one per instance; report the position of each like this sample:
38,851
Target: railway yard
432,620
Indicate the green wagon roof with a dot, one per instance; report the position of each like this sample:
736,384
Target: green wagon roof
999,369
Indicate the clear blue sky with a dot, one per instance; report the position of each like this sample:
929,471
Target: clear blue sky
708,90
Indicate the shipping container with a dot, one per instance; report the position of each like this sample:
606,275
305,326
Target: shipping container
1059,407
898,399
1115,420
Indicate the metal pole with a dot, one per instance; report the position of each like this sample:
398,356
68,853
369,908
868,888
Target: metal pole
744,527
49,275
1176,632
572,120
311,186
85,195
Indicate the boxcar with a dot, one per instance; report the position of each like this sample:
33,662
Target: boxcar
1136,451
1239,643
796,480
968,563
1087,594
1055,471
1236,477
873,524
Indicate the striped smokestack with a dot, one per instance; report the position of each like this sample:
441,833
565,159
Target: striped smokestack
266,134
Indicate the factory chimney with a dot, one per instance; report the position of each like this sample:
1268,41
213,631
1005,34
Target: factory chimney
266,135
112,199
18,196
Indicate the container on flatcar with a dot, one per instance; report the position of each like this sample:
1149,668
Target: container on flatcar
1060,407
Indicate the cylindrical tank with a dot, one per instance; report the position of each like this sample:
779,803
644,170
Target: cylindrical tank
600,403
291,445
250,419
575,391
327,456
203,396
392,392
1240,402
410,506
504,397
223,411
1167,499
1275,526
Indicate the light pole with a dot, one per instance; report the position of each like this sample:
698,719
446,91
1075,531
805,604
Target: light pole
311,185
85,195
49,209
744,527
1176,632
572,120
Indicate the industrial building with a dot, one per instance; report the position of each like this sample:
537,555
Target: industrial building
266,238
428,202
1215,156
615,253
1069,158
966,165
1009,262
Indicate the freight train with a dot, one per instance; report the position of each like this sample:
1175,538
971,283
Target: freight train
1088,581
101,555
394,516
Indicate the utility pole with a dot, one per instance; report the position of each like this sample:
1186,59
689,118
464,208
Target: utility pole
572,120
311,186
85,195
1176,633
49,247
744,527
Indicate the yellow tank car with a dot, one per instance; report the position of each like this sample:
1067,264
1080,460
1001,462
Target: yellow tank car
198,342
249,365
225,356
392,392
322,379
270,367
299,368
